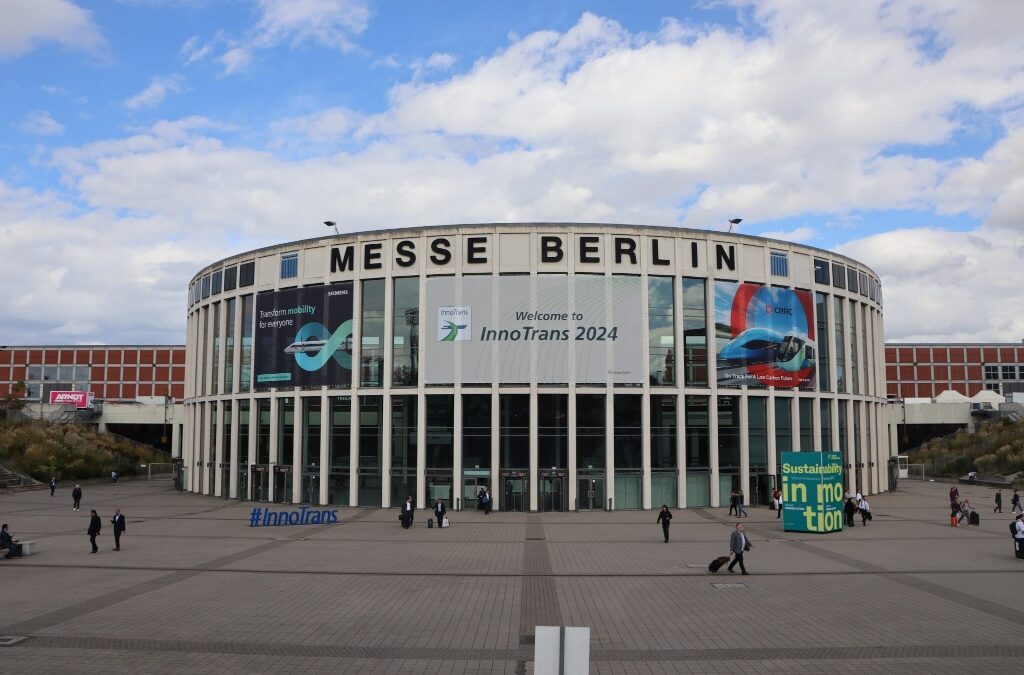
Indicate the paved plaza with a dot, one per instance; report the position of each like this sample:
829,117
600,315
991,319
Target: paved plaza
196,590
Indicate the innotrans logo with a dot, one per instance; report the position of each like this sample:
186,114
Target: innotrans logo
454,324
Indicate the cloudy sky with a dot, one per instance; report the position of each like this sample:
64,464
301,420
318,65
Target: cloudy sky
143,139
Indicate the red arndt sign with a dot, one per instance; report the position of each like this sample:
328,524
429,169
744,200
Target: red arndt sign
79,399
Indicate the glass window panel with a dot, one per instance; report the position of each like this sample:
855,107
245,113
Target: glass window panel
757,431
245,374
807,425
371,432
229,345
476,431
515,430
661,330
341,432
371,331
698,436
728,433
628,431
406,326
311,434
826,425
663,432
824,361
243,434
552,431
840,355
440,432
590,431
263,431
286,430
247,273
403,433
695,332
783,425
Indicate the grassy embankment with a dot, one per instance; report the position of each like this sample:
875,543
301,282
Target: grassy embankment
68,451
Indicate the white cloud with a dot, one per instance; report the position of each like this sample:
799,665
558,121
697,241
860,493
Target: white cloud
329,23
799,234
40,123
947,286
324,126
27,24
158,90
690,125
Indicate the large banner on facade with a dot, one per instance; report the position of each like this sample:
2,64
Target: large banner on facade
545,329
812,491
764,336
303,337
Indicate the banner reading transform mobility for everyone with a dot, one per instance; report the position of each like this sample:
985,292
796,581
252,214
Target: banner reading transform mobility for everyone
303,337
812,491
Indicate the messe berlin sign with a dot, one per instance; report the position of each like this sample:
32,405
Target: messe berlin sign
812,491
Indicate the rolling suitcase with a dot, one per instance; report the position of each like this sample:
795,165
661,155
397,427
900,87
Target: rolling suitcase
717,563
975,518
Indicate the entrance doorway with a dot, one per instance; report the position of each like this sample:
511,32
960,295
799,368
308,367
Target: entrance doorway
243,484
311,488
225,480
515,488
473,481
553,494
282,484
260,482
760,491
590,493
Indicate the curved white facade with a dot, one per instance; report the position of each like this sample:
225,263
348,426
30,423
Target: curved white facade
561,366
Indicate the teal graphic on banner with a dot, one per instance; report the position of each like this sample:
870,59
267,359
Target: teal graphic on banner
812,491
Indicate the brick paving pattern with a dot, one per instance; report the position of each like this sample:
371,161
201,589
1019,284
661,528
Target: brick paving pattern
196,590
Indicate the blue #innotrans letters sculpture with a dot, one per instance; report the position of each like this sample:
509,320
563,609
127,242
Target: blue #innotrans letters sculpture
261,517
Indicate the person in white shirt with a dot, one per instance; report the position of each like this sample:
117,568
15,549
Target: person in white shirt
865,511
1018,537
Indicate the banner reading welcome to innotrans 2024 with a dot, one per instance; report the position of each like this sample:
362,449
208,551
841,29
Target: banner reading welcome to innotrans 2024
303,337
812,491
546,329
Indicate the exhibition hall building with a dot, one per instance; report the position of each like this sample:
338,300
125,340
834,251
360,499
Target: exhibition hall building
557,367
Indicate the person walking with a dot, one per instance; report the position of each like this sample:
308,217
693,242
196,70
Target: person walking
439,512
850,510
999,502
1018,537
53,485
665,518
738,545
777,497
1015,503
488,503
733,503
118,522
113,476
94,530
407,513
954,497
9,543
76,494
740,503
865,511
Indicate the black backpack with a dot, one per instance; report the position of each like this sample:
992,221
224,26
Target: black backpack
1013,528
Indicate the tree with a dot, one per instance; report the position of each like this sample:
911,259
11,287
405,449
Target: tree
16,399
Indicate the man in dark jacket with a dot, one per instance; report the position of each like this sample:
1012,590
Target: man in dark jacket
118,522
10,543
94,529
76,494
407,513
53,485
439,512
738,545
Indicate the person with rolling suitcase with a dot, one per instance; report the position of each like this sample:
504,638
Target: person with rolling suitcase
717,563
738,544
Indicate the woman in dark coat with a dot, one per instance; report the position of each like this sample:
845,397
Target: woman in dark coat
664,517
94,529
850,509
